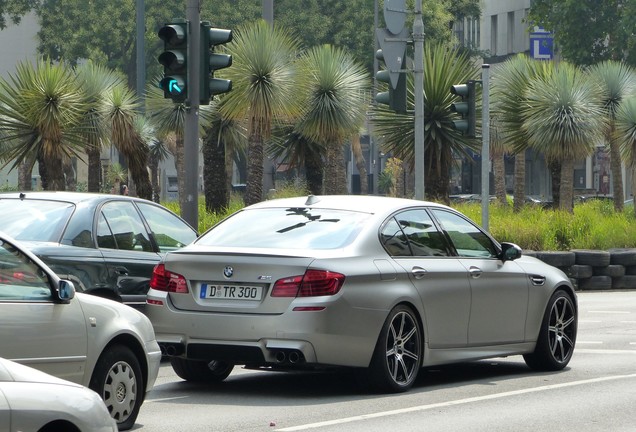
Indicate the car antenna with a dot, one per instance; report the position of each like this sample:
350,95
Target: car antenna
311,199
22,196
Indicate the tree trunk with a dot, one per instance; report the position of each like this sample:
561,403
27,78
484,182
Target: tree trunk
70,176
254,185
436,178
153,165
94,169
617,173
566,192
555,173
361,164
335,179
24,176
51,173
137,165
179,156
313,173
499,173
214,174
520,181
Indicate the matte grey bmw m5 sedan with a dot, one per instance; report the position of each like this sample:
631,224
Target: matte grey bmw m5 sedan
383,285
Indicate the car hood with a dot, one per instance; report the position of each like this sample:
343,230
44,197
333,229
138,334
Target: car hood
12,371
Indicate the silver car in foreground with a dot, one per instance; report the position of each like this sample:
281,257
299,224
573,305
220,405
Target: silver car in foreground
101,344
383,285
31,400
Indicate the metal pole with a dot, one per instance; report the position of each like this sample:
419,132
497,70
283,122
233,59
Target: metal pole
485,145
268,11
141,51
418,76
374,152
191,132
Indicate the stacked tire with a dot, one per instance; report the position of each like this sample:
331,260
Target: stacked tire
594,269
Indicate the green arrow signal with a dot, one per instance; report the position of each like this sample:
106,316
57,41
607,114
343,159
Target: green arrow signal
173,84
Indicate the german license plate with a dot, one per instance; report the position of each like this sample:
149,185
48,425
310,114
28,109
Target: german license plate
231,292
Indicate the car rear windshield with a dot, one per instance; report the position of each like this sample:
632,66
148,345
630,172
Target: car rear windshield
287,228
34,219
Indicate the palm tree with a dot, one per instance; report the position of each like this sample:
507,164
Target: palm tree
120,111
264,90
618,81
40,107
509,89
564,120
95,81
443,67
222,136
625,135
336,89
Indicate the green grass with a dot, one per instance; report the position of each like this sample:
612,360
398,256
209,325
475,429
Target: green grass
593,225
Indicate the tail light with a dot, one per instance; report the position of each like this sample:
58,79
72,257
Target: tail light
164,280
313,283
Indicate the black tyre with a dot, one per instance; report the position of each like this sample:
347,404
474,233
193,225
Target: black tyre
596,283
398,353
557,258
118,380
623,256
595,258
578,271
201,371
557,336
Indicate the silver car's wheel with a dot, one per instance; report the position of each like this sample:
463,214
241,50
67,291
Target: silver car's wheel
557,336
201,371
118,380
398,353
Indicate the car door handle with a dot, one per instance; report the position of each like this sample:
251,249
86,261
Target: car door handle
418,272
121,271
475,271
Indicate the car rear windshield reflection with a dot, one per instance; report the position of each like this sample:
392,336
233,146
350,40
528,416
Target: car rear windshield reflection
290,228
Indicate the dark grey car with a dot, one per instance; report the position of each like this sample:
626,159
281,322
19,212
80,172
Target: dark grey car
106,244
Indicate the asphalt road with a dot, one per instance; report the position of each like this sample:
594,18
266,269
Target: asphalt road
597,392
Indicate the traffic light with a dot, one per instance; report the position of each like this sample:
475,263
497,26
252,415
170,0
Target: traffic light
174,59
395,97
211,61
466,108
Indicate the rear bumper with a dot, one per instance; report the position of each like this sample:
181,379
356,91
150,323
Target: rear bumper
339,335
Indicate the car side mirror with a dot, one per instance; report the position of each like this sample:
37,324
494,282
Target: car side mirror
510,252
66,291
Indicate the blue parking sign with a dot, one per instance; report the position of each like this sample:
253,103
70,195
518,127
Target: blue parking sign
541,45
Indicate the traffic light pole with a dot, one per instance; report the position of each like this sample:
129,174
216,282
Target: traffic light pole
485,145
190,209
418,75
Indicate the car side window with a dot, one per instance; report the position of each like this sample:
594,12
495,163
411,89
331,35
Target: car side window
127,231
413,232
169,231
468,239
20,278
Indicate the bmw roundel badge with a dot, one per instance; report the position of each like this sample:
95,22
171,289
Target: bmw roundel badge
228,272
